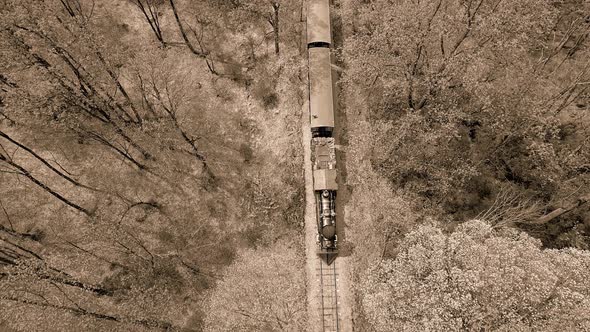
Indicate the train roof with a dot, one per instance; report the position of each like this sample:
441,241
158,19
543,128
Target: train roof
325,179
321,102
318,22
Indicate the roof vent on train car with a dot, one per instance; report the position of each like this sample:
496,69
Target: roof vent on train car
318,44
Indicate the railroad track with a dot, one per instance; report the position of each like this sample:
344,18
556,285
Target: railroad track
328,278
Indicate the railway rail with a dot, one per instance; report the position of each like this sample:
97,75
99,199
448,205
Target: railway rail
328,279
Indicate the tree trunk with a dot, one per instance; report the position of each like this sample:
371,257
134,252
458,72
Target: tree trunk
562,210
45,162
27,174
190,46
275,26
151,16
183,32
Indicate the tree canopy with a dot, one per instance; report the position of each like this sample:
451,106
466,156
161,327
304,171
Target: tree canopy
134,158
477,279
467,97
263,290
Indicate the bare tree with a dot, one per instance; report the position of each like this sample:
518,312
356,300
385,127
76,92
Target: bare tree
85,93
20,170
43,160
150,12
269,11
202,53
169,102
510,207
75,9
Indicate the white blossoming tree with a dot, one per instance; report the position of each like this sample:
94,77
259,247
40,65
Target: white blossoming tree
476,279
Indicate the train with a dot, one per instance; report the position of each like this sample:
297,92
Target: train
321,110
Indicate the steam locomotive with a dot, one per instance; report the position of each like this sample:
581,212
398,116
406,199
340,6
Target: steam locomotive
321,109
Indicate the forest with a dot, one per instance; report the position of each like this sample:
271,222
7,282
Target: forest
146,155
151,164
468,128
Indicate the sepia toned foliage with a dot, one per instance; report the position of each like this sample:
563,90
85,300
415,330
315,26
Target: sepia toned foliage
131,172
457,110
280,15
478,279
472,96
263,290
